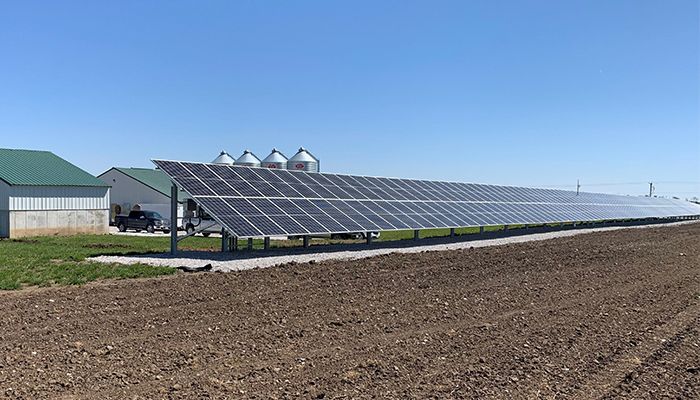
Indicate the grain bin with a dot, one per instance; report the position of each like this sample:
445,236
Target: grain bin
248,159
224,158
275,160
303,161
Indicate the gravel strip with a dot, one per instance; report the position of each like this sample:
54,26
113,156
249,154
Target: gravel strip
227,262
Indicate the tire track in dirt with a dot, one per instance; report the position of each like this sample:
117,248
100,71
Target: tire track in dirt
620,371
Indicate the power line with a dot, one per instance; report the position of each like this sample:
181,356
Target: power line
680,182
626,183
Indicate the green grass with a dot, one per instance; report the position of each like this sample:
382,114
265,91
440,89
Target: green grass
60,260
429,233
386,236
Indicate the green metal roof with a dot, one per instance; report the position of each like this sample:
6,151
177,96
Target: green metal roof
154,178
41,168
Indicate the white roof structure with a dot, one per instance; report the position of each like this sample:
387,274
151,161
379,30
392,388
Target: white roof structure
248,159
224,158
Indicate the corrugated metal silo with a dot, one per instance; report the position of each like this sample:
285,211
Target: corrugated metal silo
248,159
224,158
275,160
304,161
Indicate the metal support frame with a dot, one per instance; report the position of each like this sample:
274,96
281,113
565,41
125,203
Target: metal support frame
250,244
368,237
234,243
452,232
173,219
505,228
224,241
416,234
266,243
305,240
481,230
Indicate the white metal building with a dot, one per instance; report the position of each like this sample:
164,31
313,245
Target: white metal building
43,194
144,187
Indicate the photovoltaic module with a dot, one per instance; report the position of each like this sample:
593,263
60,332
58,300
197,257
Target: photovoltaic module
258,202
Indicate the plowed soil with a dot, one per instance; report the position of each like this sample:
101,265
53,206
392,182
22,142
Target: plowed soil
601,315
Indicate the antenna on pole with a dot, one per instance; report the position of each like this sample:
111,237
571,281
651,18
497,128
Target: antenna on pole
651,188
578,186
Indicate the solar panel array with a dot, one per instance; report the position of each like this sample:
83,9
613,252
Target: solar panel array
257,202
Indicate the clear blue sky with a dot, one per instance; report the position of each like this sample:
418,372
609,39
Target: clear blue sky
533,93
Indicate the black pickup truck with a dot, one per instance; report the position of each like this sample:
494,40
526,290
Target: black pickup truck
149,221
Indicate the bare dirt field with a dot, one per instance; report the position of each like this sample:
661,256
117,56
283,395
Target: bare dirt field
601,315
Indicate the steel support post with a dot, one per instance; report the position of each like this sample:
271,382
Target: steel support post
173,219
368,237
306,241
250,243
481,230
416,234
452,232
266,243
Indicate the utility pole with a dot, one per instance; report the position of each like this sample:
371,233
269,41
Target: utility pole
651,188
578,186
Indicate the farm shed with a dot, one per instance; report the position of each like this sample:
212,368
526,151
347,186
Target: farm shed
43,194
145,187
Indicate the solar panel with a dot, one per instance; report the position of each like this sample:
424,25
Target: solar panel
256,202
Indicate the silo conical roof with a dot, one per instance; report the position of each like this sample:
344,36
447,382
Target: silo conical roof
224,158
303,161
277,158
303,155
248,159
